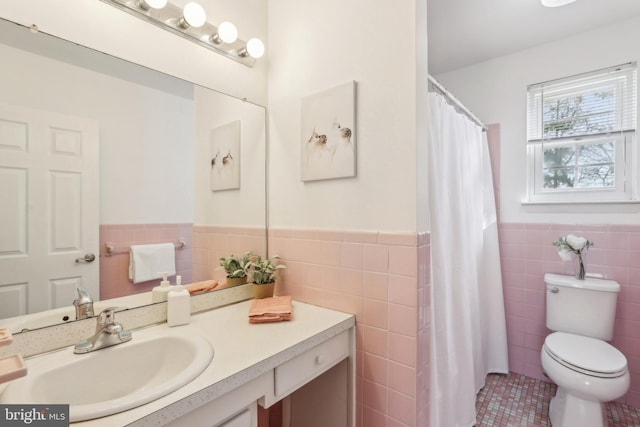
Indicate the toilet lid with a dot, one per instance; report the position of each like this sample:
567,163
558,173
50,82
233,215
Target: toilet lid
585,353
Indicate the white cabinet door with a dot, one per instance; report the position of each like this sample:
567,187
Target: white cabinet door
243,419
49,209
236,408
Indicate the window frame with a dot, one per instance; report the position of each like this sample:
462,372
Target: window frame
623,165
625,146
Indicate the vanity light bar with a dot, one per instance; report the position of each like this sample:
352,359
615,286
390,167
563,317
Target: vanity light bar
172,18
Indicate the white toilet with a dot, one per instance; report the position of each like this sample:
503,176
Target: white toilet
587,370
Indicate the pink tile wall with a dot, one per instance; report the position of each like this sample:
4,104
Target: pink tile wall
114,270
212,242
527,254
383,279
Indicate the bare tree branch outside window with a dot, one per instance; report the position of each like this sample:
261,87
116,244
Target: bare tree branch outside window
577,165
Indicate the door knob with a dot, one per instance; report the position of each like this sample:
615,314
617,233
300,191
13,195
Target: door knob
87,258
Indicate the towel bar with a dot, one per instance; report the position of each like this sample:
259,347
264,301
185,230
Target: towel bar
110,250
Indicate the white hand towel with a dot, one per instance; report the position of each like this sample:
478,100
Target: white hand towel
148,262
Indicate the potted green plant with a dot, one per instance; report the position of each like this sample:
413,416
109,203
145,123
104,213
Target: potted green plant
237,268
263,273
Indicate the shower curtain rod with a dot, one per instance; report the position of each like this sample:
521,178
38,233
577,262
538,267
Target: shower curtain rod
457,104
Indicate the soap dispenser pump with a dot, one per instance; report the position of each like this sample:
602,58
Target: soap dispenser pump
159,293
178,305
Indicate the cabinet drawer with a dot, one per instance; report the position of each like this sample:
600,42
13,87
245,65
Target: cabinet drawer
298,371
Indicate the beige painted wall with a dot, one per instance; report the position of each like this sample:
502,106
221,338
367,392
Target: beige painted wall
314,46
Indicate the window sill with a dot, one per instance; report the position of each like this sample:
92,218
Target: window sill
580,202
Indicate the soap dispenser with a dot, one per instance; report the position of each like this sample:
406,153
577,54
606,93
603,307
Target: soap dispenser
159,293
178,305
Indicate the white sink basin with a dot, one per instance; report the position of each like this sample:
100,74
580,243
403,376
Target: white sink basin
113,379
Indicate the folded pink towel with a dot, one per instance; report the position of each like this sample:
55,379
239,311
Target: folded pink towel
274,309
201,287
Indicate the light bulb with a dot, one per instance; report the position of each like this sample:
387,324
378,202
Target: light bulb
193,15
228,32
152,4
255,48
556,3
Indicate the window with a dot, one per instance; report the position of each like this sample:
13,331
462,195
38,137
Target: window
581,133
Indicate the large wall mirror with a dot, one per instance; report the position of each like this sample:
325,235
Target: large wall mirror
97,151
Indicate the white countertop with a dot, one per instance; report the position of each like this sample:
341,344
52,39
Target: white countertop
242,352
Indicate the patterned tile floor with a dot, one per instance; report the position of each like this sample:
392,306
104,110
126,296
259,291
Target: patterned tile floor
517,401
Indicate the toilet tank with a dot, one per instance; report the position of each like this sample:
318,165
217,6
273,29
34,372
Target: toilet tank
584,307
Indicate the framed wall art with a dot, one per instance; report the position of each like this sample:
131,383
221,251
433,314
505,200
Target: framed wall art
328,148
225,157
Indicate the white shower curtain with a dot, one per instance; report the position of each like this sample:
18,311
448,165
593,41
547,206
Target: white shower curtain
468,331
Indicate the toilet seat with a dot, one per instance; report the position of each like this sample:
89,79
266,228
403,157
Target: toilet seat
586,355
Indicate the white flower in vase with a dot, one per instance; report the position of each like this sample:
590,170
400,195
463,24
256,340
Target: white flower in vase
572,244
577,243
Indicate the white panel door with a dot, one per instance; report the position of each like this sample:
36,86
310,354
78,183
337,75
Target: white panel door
49,209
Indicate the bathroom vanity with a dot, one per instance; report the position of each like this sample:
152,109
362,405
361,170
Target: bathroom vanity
308,360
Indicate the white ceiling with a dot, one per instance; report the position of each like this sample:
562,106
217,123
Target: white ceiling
464,32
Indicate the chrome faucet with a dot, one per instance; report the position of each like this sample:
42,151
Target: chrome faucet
84,304
108,333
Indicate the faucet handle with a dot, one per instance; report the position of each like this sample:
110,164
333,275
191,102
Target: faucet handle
106,318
